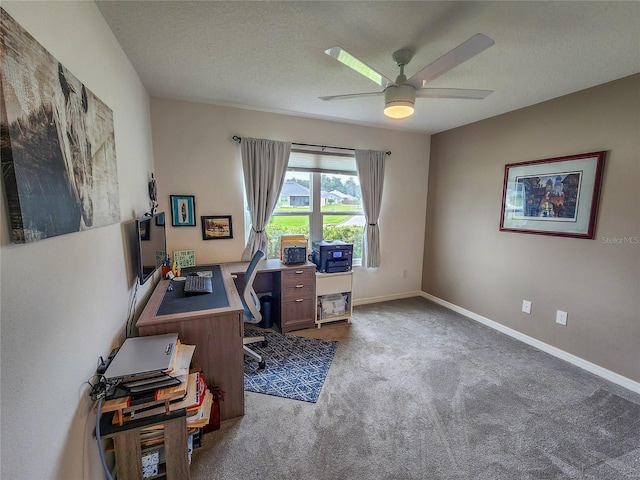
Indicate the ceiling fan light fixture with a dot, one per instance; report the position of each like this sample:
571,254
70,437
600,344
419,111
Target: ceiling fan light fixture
399,109
399,101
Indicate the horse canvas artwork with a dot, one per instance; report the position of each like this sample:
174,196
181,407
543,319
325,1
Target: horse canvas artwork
57,143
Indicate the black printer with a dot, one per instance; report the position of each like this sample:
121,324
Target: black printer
331,256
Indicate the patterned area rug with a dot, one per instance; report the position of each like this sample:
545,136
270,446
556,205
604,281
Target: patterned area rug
295,366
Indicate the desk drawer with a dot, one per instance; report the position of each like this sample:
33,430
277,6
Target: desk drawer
299,290
297,276
297,314
333,283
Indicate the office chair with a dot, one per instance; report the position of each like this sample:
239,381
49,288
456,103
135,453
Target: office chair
251,305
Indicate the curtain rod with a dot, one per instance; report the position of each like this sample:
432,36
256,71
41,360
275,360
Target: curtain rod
236,138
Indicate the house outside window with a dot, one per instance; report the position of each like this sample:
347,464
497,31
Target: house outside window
294,195
321,199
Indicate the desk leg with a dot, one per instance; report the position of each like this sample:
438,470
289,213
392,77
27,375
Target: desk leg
128,454
175,444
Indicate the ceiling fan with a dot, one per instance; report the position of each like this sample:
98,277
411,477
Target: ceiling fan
400,96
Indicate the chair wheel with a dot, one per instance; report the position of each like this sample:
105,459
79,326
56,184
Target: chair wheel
264,343
261,365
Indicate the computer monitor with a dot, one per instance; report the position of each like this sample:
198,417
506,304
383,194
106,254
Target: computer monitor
151,245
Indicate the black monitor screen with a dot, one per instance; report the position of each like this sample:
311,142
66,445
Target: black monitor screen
151,243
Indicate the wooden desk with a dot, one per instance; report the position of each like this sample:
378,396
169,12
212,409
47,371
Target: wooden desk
293,288
216,333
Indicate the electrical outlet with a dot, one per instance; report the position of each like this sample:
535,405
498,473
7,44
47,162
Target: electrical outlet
526,306
561,317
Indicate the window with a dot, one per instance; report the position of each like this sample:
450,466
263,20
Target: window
320,198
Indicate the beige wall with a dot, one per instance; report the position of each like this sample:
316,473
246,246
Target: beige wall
471,264
195,155
64,300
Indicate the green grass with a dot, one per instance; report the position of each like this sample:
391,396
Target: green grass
299,224
338,207
289,222
303,221
335,219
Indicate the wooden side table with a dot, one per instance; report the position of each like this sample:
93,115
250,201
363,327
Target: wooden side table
128,451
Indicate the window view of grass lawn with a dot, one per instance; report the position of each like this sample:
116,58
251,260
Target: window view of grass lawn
292,215
299,224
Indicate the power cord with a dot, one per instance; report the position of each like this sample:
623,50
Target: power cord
101,389
132,310
99,440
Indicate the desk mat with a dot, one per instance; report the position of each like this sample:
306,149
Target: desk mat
175,301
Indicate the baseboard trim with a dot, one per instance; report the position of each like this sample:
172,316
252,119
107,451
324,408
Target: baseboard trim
556,352
386,298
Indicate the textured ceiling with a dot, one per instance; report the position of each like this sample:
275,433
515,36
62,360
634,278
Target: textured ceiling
269,56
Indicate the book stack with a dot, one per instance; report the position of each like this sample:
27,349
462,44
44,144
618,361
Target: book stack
136,398
143,395
199,410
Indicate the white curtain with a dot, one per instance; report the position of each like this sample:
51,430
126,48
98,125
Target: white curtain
265,164
370,165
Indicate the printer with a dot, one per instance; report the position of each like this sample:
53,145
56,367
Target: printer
331,256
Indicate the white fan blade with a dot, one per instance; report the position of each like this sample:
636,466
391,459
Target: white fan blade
362,68
452,93
351,95
463,52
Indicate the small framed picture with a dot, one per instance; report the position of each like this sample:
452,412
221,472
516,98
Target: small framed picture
216,227
183,211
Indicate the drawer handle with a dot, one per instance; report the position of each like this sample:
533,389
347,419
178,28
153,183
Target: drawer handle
299,286
300,300
298,272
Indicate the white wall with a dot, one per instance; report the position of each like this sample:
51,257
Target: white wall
195,155
64,300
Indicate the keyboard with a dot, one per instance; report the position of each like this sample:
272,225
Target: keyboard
195,285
